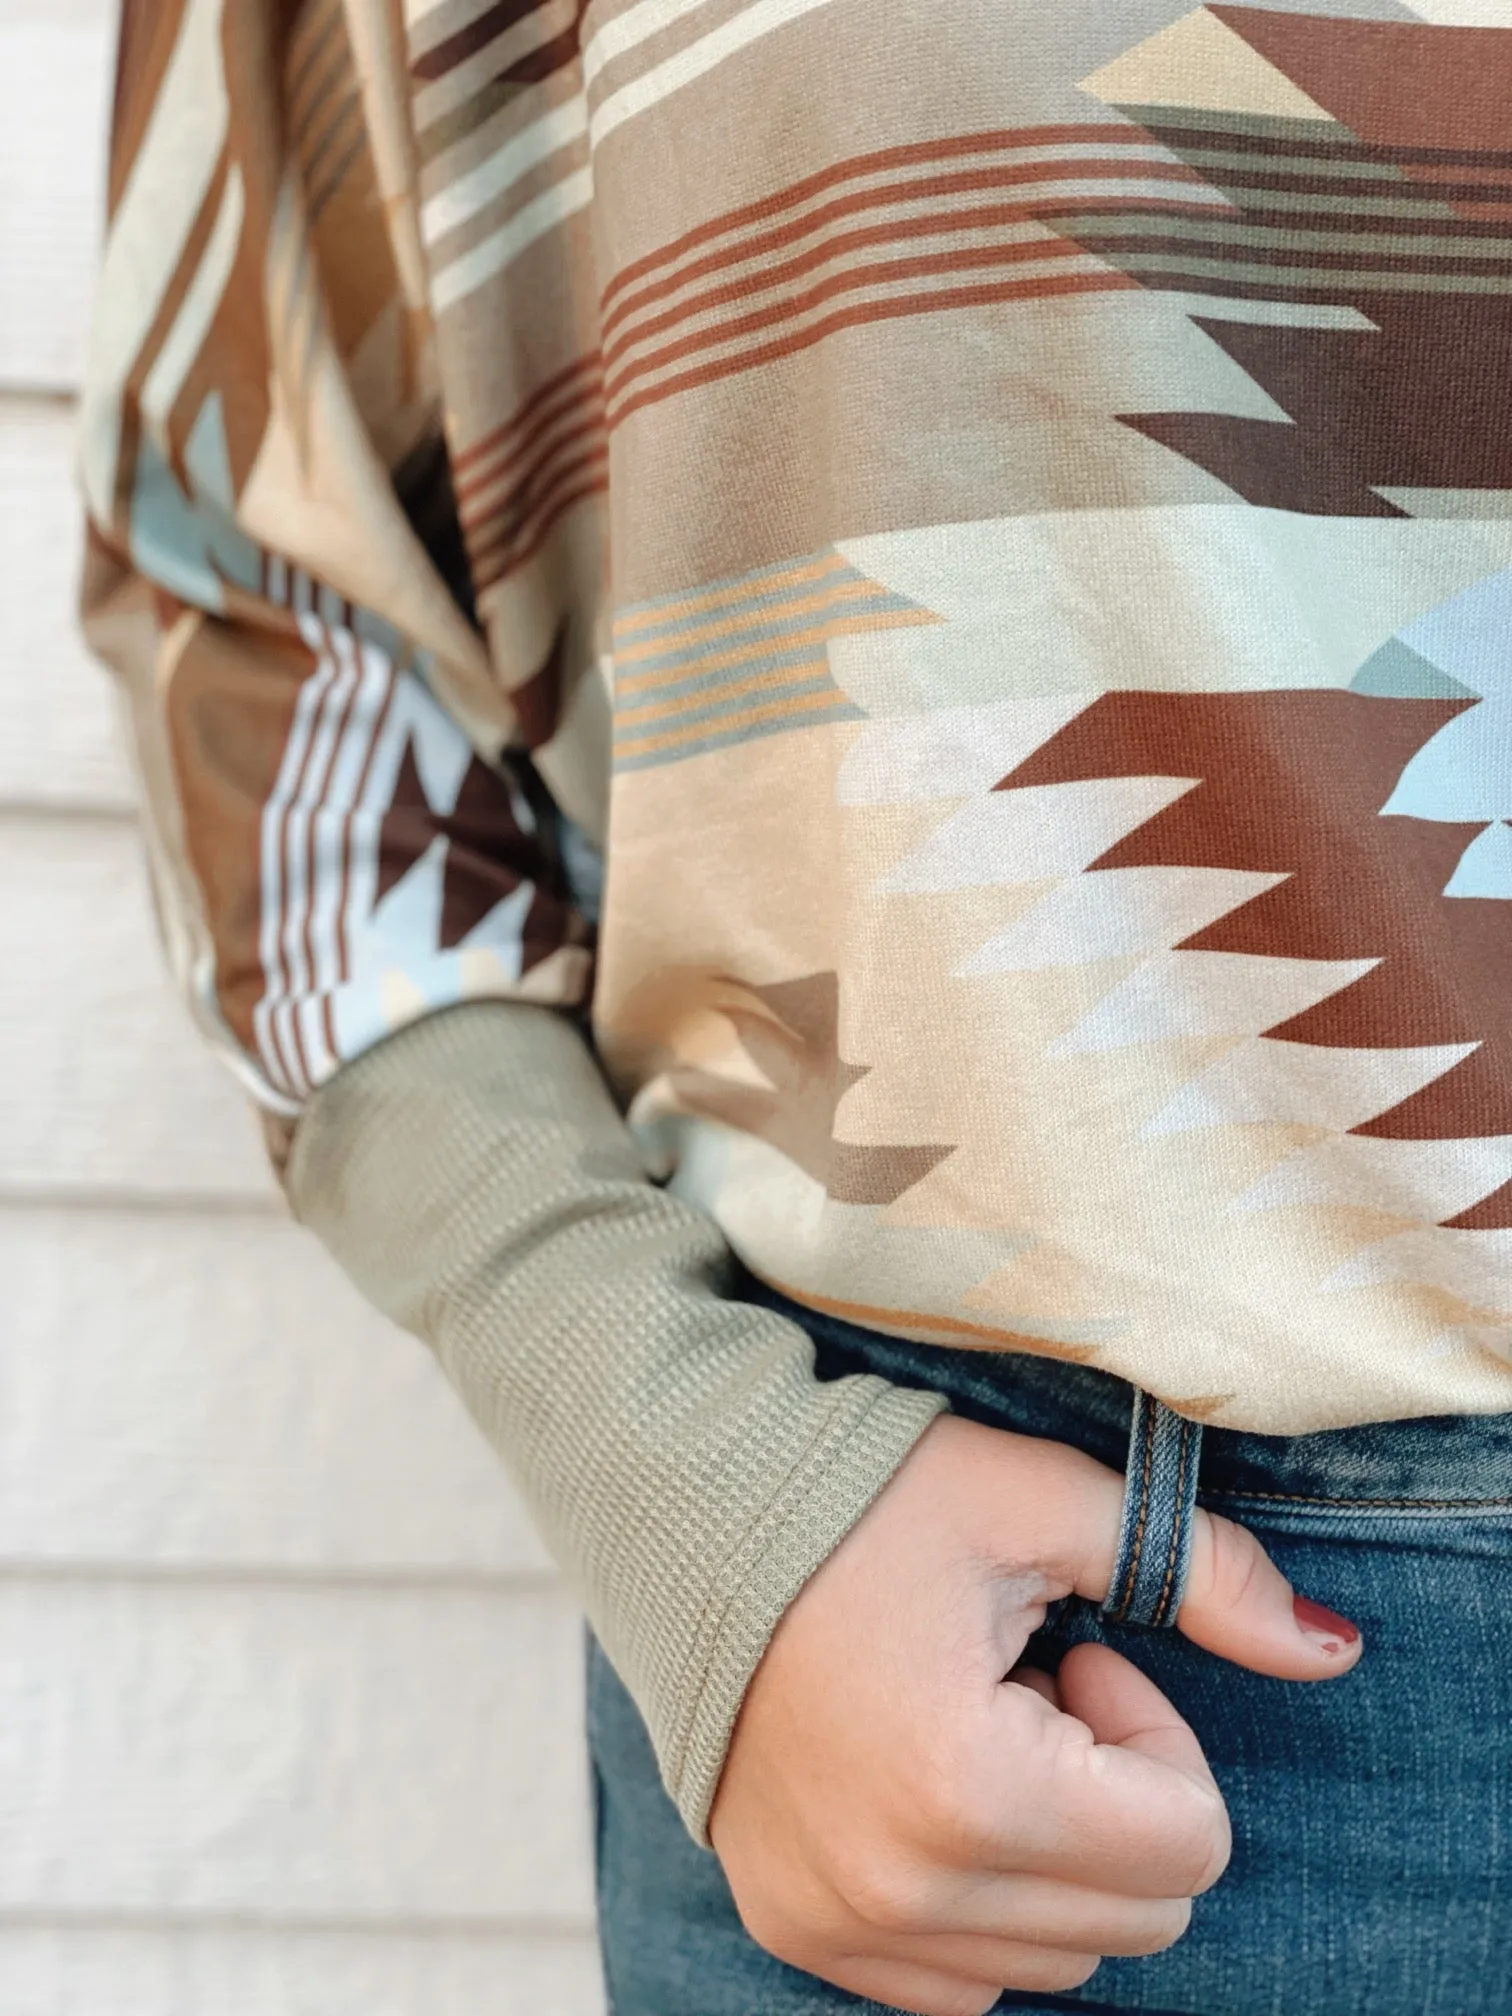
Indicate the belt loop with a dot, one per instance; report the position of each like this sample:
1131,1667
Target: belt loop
1160,1498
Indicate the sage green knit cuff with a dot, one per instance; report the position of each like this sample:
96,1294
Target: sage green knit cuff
687,1468
856,1452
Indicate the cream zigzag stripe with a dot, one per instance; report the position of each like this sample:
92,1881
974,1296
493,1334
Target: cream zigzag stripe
174,361
494,176
1408,1179
697,60
628,30
500,250
151,227
574,192
1473,1265
1266,1080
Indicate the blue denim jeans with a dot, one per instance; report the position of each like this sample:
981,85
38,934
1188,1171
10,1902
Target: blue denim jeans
1372,1866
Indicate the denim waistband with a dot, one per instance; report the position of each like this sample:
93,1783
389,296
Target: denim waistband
1438,1462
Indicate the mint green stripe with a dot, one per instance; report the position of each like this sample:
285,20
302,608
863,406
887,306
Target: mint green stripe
723,581
880,604
671,724
843,710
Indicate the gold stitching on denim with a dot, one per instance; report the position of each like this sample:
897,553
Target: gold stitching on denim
1178,1523
1137,1550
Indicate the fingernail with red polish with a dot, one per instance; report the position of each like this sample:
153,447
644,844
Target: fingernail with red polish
1326,1629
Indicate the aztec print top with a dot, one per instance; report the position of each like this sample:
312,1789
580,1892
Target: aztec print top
995,514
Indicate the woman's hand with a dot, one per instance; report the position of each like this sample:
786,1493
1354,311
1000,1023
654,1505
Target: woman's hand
900,1818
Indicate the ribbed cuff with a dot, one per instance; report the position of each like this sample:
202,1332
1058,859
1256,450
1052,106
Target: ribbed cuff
686,1467
851,1461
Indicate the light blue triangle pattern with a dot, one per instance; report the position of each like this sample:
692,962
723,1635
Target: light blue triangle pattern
1485,867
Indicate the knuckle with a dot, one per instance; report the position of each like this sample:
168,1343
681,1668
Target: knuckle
883,1896
952,1813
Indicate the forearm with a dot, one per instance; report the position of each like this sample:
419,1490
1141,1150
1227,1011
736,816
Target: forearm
474,1177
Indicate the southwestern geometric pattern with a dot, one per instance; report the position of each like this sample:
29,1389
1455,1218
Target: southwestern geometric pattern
740,658
997,519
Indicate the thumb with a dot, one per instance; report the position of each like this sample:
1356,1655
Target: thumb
1239,1605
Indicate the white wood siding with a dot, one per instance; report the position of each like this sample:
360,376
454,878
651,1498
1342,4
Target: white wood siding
289,1691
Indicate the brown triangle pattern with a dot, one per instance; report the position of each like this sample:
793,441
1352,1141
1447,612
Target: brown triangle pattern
1416,400
488,855
790,1031
1292,782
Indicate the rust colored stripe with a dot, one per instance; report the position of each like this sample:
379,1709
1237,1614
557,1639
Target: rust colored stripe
857,314
500,552
877,162
965,182
895,231
513,562
312,825
871,273
514,510
1222,287
343,932
1468,229
466,458
586,406
981,180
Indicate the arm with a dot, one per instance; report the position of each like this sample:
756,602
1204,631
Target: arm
359,882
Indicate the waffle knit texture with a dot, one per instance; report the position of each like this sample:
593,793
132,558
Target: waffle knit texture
475,1179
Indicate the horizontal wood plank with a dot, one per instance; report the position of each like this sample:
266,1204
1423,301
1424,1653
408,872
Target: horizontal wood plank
202,1393
55,65
309,1755
67,1971
61,743
289,1710
105,1085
